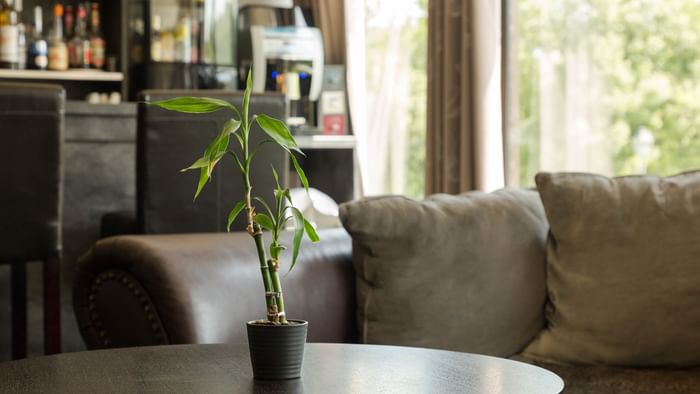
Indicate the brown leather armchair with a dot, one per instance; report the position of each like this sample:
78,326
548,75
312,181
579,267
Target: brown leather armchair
201,288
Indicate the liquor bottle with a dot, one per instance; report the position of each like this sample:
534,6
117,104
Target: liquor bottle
21,37
4,21
156,40
38,49
183,36
9,36
136,41
68,22
58,51
79,55
168,44
97,43
198,32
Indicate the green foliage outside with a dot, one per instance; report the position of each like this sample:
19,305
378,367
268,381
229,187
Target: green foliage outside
411,28
417,35
647,53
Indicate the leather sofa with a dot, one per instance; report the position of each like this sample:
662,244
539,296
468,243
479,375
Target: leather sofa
140,290
202,288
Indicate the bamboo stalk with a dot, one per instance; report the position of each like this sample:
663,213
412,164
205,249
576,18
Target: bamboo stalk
265,271
273,290
255,231
276,285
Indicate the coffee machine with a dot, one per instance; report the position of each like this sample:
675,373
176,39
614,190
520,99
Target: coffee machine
284,58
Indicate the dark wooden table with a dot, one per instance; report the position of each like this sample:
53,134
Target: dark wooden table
328,368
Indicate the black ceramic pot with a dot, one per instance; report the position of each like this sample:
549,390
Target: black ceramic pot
277,351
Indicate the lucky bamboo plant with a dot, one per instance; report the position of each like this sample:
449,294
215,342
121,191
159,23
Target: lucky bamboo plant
274,217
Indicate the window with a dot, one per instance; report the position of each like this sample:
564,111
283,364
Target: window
604,86
396,75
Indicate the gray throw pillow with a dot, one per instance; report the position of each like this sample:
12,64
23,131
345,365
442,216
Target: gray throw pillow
463,273
623,272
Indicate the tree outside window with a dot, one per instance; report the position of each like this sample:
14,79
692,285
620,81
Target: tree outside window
605,86
396,70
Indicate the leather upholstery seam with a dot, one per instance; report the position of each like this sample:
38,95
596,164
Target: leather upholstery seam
135,289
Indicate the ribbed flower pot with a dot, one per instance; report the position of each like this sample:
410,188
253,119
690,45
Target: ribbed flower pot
277,351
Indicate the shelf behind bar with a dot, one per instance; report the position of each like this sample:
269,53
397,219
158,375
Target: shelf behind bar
69,75
325,141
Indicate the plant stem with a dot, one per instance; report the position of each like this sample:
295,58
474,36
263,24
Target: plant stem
272,311
271,282
279,298
255,231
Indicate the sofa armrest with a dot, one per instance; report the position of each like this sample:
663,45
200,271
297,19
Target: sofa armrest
140,290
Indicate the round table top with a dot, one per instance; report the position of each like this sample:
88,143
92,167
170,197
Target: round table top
328,368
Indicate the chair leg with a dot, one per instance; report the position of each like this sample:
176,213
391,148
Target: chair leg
52,305
18,295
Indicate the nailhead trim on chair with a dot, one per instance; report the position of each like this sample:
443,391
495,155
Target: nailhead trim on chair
127,281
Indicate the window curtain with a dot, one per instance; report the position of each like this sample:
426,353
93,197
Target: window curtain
464,131
342,25
329,17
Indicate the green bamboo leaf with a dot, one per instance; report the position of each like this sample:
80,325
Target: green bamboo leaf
214,160
246,97
276,249
279,206
193,105
238,161
277,178
298,234
300,172
203,178
209,151
201,162
250,160
213,164
231,126
217,148
240,140
310,231
278,131
288,196
220,147
279,197
264,204
265,221
206,158
234,213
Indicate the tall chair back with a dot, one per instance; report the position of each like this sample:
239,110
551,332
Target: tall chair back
31,138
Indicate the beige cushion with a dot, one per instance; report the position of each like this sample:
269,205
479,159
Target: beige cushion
462,272
623,272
